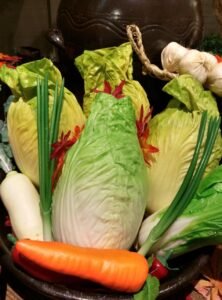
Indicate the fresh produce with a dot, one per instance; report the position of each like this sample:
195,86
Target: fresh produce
46,138
189,185
178,59
122,189
114,64
171,55
199,225
22,116
158,269
214,79
150,290
116,269
197,64
21,199
100,198
174,132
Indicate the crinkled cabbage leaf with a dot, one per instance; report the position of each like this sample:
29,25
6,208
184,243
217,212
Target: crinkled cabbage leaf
21,117
113,65
174,132
100,198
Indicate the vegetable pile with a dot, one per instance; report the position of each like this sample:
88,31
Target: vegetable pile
106,193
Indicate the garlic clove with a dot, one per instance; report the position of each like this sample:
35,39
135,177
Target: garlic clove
171,55
193,63
210,60
214,79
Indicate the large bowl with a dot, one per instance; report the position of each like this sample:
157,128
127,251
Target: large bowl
187,268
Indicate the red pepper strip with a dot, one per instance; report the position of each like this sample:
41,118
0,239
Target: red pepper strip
219,58
117,92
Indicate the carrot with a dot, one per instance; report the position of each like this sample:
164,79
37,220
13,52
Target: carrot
116,269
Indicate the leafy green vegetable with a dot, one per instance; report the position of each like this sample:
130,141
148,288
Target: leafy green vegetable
199,225
174,132
22,115
188,187
212,43
99,200
112,65
150,290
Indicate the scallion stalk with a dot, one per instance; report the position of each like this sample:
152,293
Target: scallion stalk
189,185
46,137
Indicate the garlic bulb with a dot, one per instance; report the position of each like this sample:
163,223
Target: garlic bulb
193,63
214,79
171,55
210,60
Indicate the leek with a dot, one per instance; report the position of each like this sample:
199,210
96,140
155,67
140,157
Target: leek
189,185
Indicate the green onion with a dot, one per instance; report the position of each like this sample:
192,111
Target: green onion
46,137
190,182
54,129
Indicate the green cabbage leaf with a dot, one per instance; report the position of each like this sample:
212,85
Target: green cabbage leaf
21,116
113,65
100,198
199,225
174,132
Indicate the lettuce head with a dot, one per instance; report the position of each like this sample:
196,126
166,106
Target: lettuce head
22,114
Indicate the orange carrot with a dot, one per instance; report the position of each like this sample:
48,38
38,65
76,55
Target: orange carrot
116,269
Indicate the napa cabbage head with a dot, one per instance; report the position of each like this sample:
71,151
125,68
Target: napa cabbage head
100,198
21,116
199,225
174,132
114,64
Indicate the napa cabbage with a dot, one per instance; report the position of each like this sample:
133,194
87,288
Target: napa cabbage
100,198
174,132
21,116
114,64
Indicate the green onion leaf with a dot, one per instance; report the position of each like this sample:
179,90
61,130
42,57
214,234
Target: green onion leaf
46,137
190,182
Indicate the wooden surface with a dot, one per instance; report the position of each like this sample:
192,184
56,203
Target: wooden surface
11,295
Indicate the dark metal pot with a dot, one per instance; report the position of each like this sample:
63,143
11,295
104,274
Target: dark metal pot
97,24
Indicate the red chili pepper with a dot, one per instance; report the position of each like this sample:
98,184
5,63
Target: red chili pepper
219,58
158,269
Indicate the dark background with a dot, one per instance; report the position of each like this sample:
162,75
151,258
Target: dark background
25,23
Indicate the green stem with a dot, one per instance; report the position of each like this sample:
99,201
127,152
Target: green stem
45,139
189,185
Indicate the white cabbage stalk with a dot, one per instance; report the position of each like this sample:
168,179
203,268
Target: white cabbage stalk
194,63
171,56
214,79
